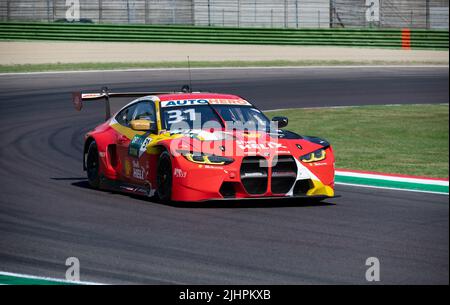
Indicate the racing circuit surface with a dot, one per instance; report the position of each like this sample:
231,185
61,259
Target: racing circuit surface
48,213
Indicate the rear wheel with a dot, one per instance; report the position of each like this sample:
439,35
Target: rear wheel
164,177
93,165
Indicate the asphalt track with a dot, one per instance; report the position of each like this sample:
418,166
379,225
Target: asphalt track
47,212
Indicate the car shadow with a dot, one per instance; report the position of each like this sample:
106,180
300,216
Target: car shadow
213,204
69,179
254,203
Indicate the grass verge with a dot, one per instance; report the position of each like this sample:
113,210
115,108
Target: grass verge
197,64
404,139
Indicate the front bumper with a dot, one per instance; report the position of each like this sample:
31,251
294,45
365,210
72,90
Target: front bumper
231,182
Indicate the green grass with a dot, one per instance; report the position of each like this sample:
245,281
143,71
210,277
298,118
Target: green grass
407,139
194,64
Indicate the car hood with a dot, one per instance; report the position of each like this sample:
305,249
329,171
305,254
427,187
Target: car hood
232,143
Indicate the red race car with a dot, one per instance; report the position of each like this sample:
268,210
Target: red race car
195,146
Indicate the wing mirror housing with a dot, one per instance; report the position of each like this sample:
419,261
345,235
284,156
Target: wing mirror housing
281,120
142,125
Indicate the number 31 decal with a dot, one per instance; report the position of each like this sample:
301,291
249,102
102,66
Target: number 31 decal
176,116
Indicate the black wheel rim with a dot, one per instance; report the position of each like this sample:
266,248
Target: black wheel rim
164,178
92,165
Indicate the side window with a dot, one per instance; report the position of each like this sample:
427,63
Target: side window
145,111
125,116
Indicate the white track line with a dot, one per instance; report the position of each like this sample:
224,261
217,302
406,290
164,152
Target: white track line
390,188
393,178
226,68
350,106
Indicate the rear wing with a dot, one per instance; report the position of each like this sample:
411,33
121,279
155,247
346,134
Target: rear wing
78,98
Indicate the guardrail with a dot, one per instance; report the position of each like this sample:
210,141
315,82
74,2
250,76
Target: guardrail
386,38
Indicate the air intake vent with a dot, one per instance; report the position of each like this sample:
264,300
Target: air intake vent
254,175
284,174
302,187
227,190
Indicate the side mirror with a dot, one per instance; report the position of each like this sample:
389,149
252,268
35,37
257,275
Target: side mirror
142,125
281,120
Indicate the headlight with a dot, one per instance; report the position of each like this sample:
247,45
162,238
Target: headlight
317,155
206,159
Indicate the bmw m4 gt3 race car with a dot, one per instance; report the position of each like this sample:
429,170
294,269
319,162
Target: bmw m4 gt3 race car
194,146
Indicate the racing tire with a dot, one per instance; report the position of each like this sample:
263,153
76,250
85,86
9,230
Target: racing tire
93,166
164,178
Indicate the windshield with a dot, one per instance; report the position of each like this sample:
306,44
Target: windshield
242,117
194,117
207,116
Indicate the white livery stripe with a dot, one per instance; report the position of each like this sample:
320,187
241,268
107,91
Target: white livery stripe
176,103
389,188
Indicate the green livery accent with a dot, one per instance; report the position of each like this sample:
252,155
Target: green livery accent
136,144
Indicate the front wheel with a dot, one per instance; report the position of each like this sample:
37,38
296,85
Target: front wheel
93,165
164,177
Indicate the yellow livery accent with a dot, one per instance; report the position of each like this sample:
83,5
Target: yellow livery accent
320,189
158,114
155,139
126,131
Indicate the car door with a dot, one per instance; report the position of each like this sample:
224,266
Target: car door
132,146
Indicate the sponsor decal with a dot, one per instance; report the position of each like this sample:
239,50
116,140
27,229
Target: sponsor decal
101,154
239,102
255,145
318,164
138,171
138,145
214,167
176,103
179,173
